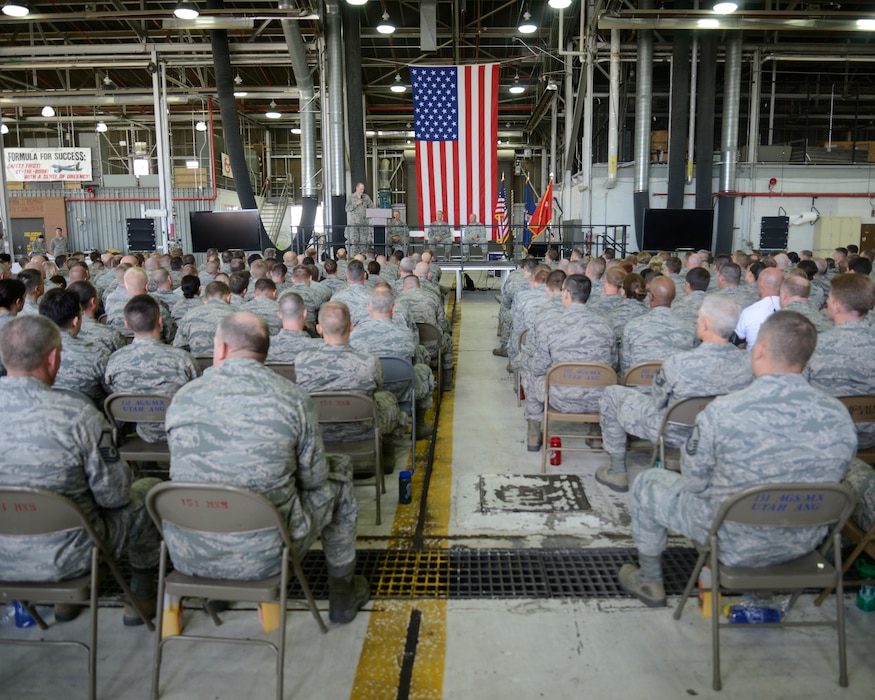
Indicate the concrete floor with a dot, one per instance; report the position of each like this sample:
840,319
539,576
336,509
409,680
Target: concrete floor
470,649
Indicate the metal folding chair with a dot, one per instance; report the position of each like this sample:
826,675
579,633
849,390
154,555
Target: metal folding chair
29,512
284,369
399,378
351,409
223,509
518,378
805,506
580,375
137,408
429,333
862,410
681,413
641,374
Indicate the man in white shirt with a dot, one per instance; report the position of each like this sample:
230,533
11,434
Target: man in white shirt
753,316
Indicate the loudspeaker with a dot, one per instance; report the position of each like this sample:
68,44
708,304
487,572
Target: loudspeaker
773,232
141,234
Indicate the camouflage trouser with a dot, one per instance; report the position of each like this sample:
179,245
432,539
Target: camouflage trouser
360,238
565,399
505,325
625,410
861,480
659,504
334,516
131,528
446,350
423,386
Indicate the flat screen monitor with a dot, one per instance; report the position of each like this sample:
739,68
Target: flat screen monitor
672,229
225,230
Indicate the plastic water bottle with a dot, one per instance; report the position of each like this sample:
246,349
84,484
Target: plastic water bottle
866,598
22,617
405,487
555,451
752,614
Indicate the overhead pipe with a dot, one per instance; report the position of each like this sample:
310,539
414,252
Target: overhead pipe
643,112
613,111
729,144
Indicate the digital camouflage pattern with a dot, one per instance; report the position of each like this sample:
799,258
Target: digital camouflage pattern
655,336
82,368
285,345
197,329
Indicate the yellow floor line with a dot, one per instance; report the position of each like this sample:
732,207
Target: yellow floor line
379,668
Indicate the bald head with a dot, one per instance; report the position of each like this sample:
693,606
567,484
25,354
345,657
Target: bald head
769,282
662,292
241,335
421,270
136,281
334,322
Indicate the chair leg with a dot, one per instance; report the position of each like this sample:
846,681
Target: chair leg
694,577
715,619
281,642
840,613
92,633
159,616
378,477
852,557
308,594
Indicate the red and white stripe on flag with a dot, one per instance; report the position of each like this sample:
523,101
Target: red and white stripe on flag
456,127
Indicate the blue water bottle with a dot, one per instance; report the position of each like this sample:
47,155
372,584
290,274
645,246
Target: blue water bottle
753,615
23,618
405,487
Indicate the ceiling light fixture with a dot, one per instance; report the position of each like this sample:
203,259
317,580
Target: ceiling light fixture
296,129
516,88
191,164
15,9
356,2
240,93
186,10
708,23
398,86
385,27
4,129
101,128
551,85
272,113
867,23
725,7
527,26
237,79
200,126
48,111
559,4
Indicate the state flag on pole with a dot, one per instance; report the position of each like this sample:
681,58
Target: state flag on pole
528,235
455,113
543,213
501,230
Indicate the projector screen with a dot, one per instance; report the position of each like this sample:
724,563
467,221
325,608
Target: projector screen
225,230
671,229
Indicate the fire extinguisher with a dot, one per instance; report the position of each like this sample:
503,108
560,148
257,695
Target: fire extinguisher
555,451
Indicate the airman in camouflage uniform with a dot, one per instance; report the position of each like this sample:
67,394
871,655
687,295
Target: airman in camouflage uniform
65,445
380,336
12,293
148,366
425,309
90,330
293,338
545,314
525,304
577,335
715,367
355,295
658,334
337,366
197,328
82,364
696,286
778,430
795,290
136,282
517,281
359,234
263,304
843,364
438,231
243,424
313,299
331,278
38,246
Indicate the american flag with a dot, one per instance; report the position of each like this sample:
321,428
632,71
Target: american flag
502,230
455,110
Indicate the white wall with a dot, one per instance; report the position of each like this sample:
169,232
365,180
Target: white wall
599,205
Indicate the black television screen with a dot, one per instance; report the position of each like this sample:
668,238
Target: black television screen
671,229
225,230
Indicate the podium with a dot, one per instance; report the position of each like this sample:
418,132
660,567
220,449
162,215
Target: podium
377,218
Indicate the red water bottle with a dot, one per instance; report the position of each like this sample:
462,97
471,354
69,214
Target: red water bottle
555,452
522,392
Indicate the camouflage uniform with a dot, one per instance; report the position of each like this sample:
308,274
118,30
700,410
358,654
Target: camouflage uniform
115,314
4,319
358,233
425,309
169,297
58,246
101,335
356,297
819,319
819,291
148,366
343,368
779,429
82,368
285,345
197,328
656,335
516,281
243,424
861,480
30,307
65,445
382,337
312,301
577,335
267,309
333,283
709,370
622,314
183,306
604,305
545,313
740,295
523,313
441,229
38,246
680,283
687,308
843,364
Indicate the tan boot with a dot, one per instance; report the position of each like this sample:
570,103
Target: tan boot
533,436
651,593
346,594
617,481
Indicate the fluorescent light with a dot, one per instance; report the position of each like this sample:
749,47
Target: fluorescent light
101,128
356,2
385,27
186,10
559,4
708,23
240,93
273,114
725,7
15,9
192,164
4,129
398,86
866,23
516,88
48,111
296,129
201,126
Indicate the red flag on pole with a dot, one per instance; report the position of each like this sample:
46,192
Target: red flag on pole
543,213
